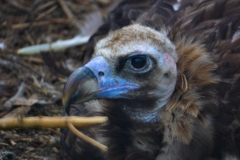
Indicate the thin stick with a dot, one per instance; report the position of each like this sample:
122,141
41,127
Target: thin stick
44,6
46,13
86,138
66,9
50,122
41,23
34,24
55,46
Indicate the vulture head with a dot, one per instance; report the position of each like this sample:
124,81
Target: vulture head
134,63
137,79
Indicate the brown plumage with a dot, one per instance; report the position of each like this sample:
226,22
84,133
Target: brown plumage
182,103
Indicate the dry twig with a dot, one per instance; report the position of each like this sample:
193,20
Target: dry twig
57,122
44,6
41,23
47,12
19,6
50,122
55,46
86,138
33,24
66,10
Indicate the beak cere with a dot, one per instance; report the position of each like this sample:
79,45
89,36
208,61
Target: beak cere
92,81
80,87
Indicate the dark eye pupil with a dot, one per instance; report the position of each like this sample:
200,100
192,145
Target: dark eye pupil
138,62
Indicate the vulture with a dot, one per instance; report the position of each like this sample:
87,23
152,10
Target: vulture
166,73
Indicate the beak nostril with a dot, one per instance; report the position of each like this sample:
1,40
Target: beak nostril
101,73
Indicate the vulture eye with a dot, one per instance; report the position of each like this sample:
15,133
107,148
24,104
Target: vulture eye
138,62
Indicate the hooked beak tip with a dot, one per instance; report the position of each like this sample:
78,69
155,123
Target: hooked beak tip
79,85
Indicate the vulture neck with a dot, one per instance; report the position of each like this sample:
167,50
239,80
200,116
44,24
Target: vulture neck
136,110
146,112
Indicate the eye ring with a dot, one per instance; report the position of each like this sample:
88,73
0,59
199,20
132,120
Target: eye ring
139,62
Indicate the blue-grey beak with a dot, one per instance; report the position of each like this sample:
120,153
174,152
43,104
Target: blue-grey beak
93,81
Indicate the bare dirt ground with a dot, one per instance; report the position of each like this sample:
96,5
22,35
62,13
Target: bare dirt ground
31,85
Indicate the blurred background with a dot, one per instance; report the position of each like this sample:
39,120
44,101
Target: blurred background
31,84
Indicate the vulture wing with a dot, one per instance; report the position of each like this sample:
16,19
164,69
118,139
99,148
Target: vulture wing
169,82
